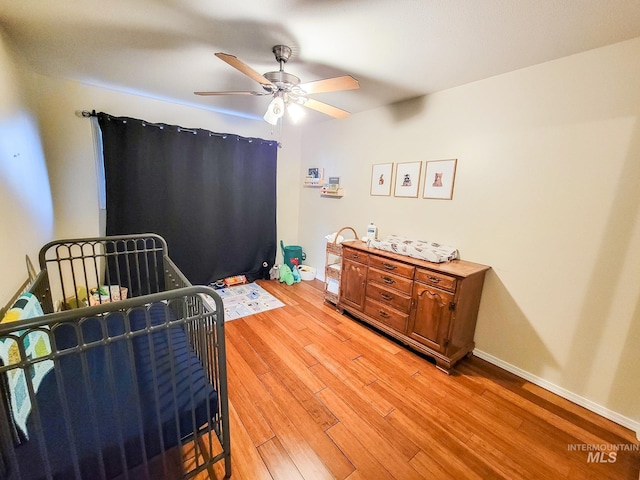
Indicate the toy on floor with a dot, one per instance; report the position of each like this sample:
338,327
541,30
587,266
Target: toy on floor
286,275
296,274
265,271
236,280
274,273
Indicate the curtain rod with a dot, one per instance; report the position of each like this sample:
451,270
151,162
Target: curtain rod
92,113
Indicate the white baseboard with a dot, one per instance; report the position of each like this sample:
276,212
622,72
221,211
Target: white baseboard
564,393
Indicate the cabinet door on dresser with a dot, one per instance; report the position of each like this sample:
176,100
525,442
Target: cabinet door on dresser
431,316
352,283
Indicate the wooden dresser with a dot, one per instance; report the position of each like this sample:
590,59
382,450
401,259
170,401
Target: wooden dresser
430,307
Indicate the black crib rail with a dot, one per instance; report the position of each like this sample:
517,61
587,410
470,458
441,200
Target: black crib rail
135,262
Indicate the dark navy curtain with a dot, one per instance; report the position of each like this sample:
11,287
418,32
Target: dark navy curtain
211,196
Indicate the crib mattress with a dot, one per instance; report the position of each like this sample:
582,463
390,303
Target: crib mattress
122,415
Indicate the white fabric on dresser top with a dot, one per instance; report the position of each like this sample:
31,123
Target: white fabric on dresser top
421,249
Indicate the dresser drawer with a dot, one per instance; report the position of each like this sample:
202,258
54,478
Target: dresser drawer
355,255
388,297
384,314
390,280
392,266
436,279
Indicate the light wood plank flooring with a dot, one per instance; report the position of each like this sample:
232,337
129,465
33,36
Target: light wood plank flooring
317,395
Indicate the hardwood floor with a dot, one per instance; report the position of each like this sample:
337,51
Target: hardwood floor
317,395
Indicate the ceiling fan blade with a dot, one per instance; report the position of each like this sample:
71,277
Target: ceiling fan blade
326,108
243,68
232,93
335,84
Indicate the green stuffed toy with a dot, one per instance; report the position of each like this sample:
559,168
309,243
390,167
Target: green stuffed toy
286,275
296,274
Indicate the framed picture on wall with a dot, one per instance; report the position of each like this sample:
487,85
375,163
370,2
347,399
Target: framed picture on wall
439,178
407,179
381,179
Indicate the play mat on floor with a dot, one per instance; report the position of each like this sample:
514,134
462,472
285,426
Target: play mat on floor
243,300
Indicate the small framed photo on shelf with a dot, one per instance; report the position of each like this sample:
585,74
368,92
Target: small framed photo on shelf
439,178
314,177
381,179
407,179
334,184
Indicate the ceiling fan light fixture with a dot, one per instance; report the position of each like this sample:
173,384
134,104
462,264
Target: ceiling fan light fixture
275,110
296,112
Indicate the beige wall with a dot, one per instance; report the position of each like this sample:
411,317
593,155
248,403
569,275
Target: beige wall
26,213
546,193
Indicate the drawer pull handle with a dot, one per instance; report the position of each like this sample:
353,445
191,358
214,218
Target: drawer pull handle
388,280
386,296
388,266
383,314
434,279
355,255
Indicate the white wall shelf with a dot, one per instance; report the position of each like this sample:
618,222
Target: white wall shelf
338,194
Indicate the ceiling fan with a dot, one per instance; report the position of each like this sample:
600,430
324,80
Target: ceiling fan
287,91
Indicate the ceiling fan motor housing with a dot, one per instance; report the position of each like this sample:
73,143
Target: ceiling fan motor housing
282,53
283,80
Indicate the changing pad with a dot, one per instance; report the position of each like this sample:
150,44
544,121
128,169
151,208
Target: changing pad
422,249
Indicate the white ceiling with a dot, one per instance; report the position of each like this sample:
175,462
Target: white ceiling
396,49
